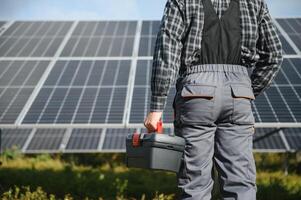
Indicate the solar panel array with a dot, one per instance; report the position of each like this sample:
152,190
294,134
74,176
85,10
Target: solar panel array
105,38
69,140
82,92
18,78
33,39
82,86
292,28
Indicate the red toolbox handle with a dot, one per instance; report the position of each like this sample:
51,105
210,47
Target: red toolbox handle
136,136
159,127
136,139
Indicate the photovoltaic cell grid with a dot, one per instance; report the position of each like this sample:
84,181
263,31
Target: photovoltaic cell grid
33,39
44,140
148,37
286,47
13,138
78,91
115,138
142,93
104,38
84,139
268,138
17,81
293,137
21,73
292,27
82,92
281,102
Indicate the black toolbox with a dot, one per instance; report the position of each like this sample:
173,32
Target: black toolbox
154,150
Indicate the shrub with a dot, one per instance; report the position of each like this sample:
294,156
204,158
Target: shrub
26,194
73,178
12,154
276,186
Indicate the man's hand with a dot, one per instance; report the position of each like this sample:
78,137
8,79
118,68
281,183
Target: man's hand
151,121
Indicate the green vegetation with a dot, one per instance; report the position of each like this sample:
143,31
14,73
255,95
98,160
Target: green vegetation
104,176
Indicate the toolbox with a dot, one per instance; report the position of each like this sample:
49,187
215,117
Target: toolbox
154,150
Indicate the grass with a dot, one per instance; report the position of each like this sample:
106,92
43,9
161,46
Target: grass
104,176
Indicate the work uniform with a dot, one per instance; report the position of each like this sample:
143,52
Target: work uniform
212,105
212,108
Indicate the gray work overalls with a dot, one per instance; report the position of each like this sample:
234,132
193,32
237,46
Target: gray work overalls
212,110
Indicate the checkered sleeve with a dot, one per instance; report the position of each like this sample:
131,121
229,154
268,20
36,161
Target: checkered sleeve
167,53
269,49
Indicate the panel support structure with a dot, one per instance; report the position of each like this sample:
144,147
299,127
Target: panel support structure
29,138
128,103
65,139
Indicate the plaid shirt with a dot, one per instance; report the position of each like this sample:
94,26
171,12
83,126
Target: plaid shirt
179,38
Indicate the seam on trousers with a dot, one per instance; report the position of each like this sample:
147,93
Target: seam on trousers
232,110
250,158
183,175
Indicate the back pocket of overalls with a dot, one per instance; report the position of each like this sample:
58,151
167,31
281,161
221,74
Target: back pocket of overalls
197,103
242,96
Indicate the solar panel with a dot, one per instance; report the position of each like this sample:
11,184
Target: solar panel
268,138
17,81
148,37
286,47
292,27
281,102
13,137
82,92
33,39
21,73
87,72
102,39
84,139
12,102
115,138
142,94
293,137
46,139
